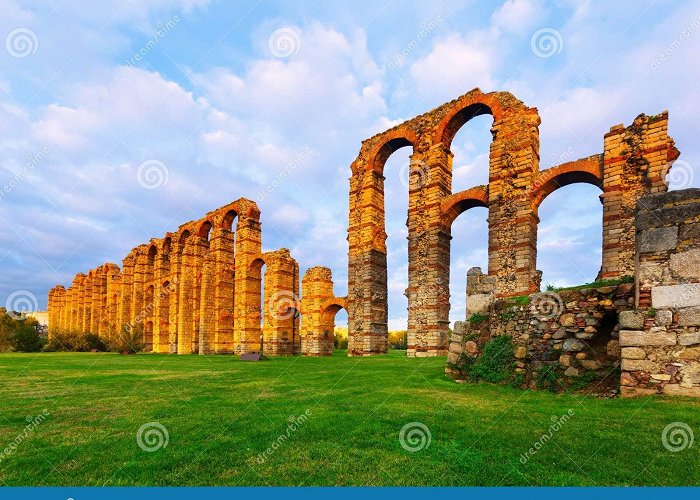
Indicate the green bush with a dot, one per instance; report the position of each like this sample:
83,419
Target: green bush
128,340
67,342
95,343
26,338
476,319
496,363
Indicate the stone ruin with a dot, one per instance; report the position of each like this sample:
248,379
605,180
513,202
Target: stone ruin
199,289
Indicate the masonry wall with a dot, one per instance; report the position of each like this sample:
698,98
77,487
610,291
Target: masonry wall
195,290
319,306
568,333
633,163
660,340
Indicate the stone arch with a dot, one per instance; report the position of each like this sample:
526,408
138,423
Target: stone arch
389,143
586,170
204,229
458,203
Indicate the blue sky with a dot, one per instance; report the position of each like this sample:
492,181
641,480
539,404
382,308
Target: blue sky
229,93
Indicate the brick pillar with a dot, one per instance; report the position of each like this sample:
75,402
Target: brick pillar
57,298
246,326
428,292
86,303
114,290
222,248
161,311
138,303
367,279
127,284
174,297
514,161
70,307
635,161
317,336
186,296
93,300
207,305
281,307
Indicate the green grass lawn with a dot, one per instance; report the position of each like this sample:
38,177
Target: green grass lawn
221,414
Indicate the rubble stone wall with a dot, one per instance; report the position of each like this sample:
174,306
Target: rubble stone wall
660,340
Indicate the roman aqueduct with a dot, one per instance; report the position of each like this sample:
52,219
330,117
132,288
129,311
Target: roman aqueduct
198,289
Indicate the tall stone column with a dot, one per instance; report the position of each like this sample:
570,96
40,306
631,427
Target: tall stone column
161,312
636,158
367,278
207,306
186,300
280,310
114,290
317,336
514,161
127,284
174,298
428,293
246,326
222,249
139,311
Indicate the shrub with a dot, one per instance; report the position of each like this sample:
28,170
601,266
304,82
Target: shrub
496,363
26,338
476,319
129,339
67,342
94,342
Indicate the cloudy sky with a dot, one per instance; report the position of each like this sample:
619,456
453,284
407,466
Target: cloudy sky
120,120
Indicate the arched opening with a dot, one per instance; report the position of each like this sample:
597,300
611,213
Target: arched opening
257,307
167,246
469,248
470,148
569,234
340,333
152,253
204,230
327,338
396,158
183,237
227,284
